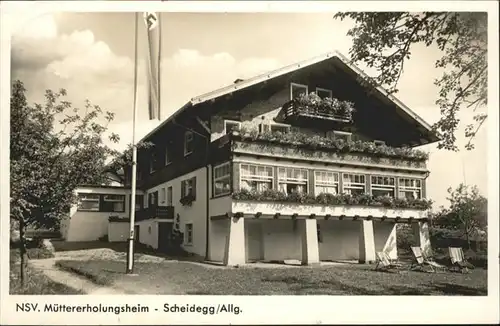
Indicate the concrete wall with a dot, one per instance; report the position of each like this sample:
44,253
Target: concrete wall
118,231
148,233
219,231
282,240
90,226
340,240
195,214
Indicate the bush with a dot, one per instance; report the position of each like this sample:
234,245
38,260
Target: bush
39,253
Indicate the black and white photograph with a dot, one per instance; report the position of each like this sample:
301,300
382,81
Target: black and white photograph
249,162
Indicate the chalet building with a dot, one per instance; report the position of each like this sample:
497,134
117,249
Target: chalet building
305,162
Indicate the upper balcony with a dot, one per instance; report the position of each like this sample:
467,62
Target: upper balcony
297,146
161,212
311,110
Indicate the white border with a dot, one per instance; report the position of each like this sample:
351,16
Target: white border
262,309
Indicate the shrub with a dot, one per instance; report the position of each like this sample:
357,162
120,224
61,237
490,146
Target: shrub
39,253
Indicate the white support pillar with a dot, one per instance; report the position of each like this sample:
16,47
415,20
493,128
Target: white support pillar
422,237
366,242
310,248
235,243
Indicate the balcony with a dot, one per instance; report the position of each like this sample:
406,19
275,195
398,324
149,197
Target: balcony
299,147
162,212
311,110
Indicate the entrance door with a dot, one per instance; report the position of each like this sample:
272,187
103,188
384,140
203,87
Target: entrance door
164,236
254,243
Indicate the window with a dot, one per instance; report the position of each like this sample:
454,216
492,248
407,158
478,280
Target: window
163,195
264,127
292,180
168,159
189,233
410,188
256,177
354,184
188,187
152,163
323,92
188,143
231,125
169,196
296,90
345,136
113,203
326,182
280,128
383,186
222,179
88,202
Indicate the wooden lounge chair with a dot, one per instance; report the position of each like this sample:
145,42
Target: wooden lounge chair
421,261
385,263
458,260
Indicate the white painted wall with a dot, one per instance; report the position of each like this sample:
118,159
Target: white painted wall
148,232
195,214
118,231
282,240
340,240
219,231
90,226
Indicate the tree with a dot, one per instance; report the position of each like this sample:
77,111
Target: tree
468,211
384,40
47,165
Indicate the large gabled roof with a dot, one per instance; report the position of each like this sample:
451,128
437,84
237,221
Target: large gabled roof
243,84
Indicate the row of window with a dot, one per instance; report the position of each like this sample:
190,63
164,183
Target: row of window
296,90
188,188
188,149
101,203
289,180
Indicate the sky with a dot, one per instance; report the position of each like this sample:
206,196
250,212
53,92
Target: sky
91,55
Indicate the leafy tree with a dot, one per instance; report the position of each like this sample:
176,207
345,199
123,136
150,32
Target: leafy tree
468,211
48,163
384,40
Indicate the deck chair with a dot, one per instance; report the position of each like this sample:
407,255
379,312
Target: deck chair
385,263
458,260
421,261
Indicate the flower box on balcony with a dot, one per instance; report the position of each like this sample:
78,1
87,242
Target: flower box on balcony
312,106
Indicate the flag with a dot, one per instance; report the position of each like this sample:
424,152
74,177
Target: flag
153,28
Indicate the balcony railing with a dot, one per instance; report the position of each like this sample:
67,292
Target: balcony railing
165,212
294,111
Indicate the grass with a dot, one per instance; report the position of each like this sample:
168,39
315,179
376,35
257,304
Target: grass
188,278
36,283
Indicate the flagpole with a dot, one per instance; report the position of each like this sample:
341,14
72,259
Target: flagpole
130,256
159,66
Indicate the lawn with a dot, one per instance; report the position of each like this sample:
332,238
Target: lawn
37,283
354,279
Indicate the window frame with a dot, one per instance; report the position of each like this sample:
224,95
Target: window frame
168,159
80,195
153,163
189,230
188,138
382,187
170,196
163,195
320,89
232,122
342,133
326,184
351,184
292,85
293,180
403,188
256,177
215,179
